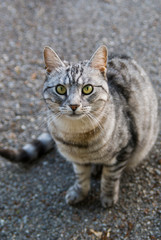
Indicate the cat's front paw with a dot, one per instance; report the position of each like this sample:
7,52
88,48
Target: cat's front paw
108,201
74,195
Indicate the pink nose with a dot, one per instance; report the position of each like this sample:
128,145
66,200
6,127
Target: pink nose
74,106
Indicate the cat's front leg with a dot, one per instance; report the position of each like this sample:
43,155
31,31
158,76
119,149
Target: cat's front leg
110,181
80,189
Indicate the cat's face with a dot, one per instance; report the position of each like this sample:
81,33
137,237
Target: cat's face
76,91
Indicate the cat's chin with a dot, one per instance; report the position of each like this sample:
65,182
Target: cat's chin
75,116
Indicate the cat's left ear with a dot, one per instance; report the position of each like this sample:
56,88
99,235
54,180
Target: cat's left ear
52,61
99,59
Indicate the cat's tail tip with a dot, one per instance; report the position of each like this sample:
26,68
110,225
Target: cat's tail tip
10,154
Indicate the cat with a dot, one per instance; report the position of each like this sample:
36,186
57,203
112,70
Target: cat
101,111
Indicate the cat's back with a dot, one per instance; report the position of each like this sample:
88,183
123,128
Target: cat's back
130,86
130,82
126,77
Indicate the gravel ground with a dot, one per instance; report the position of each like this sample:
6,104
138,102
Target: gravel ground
32,202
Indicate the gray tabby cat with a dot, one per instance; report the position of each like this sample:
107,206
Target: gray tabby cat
98,113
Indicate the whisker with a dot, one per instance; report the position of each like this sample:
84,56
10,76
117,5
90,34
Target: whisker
96,121
90,119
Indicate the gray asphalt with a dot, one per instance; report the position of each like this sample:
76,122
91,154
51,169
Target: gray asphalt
32,204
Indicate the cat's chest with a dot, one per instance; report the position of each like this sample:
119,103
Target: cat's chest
71,138
77,147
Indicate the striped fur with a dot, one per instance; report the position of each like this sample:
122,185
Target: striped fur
30,154
115,125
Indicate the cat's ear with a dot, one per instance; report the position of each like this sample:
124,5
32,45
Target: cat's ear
99,59
52,61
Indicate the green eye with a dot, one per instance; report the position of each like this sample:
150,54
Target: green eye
61,89
87,89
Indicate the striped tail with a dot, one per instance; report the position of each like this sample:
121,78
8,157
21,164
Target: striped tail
31,152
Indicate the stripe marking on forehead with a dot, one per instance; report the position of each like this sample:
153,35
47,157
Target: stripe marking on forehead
74,74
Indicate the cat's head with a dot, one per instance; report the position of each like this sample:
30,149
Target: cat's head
76,91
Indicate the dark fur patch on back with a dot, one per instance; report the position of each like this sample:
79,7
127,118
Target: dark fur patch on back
133,141
121,56
116,85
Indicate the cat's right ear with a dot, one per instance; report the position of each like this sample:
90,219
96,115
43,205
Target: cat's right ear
52,61
99,59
